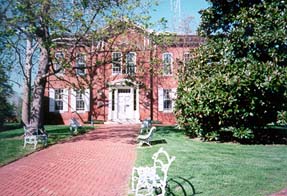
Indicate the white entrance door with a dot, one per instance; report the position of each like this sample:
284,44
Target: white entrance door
125,104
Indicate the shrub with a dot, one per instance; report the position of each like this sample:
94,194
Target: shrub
238,78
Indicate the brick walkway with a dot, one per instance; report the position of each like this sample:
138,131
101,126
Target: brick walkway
97,163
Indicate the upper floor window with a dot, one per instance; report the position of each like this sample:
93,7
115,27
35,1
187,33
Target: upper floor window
116,62
186,57
80,64
131,63
58,62
167,64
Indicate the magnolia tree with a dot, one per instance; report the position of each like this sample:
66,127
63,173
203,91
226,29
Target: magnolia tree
237,81
40,22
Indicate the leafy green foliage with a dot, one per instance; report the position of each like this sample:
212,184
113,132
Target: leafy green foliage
238,78
5,92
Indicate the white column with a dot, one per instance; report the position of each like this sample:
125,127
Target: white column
110,104
138,104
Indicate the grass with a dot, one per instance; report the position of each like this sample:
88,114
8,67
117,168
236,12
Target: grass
219,168
11,141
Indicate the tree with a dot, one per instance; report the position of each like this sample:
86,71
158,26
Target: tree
237,81
43,20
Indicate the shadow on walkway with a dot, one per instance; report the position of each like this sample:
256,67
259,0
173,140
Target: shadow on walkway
113,133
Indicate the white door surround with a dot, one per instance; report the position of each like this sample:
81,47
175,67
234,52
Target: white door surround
123,102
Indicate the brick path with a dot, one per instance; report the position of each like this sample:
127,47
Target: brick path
97,163
281,193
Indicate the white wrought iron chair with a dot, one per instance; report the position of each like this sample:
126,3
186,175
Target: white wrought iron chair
32,136
146,180
74,125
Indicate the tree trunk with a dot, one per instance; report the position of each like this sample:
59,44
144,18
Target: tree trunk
26,97
39,87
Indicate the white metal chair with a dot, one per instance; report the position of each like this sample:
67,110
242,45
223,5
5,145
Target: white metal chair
145,180
147,137
33,136
74,125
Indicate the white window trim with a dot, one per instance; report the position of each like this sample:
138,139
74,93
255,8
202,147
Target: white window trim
163,64
56,61
121,64
161,99
52,101
76,66
135,62
86,97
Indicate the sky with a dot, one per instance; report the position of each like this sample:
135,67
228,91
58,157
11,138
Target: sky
187,8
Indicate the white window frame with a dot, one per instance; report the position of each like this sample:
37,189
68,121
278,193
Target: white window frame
59,58
60,99
167,96
85,97
134,61
81,64
53,101
162,99
167,63
80,99
115,69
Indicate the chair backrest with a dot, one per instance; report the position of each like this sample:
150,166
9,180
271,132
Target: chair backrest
146,123
151,131
30,131
162,162
74,122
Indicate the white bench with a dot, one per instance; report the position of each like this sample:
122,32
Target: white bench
145,180
33,136
147,137
74,125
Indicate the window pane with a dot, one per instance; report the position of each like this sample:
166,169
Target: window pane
59,99
59,60
131,63
80,64
116,62
167,100
167,60
80,104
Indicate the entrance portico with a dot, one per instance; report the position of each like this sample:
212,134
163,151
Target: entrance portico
123,101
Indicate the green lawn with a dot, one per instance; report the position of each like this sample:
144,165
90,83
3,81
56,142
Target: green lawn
219,168
11,141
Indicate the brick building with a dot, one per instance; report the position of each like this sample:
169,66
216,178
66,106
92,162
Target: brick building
122,77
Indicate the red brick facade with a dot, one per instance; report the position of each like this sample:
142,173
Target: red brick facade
122,79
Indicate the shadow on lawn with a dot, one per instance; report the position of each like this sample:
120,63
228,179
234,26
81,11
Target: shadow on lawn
180,186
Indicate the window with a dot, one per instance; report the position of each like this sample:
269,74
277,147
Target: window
59,60
116,62
59,98
80,100
130,63
80,64
186,57
167,64
167,99
80,103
